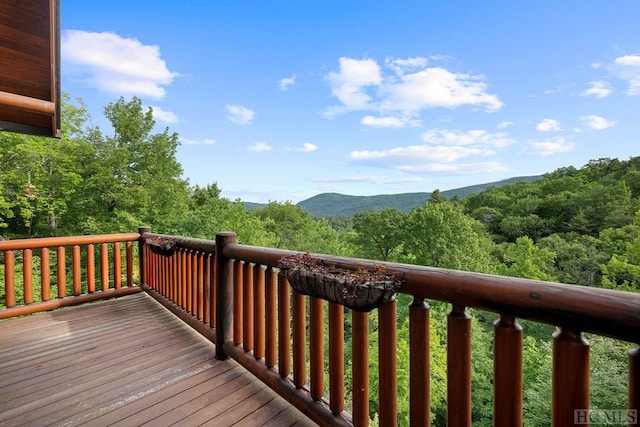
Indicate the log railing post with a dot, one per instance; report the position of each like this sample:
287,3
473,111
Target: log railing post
570,380
507,372
224,290
142,261
387,363
9,279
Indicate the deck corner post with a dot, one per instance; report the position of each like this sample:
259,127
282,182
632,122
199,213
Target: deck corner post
141,255
224,293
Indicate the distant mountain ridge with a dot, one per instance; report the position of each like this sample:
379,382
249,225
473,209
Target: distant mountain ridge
342,205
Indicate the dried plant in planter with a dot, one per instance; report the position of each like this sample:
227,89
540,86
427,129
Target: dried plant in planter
165,246
360,290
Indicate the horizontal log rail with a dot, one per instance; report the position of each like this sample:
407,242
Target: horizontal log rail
28,261
25,103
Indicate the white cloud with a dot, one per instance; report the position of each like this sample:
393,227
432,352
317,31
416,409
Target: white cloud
406,157
390,122
549,147
204,141
116,65
597,122
286,82
548,125
164,116
240,115
259,146
599,89
476,137
628,68
308,147
408,86
504,124
349,83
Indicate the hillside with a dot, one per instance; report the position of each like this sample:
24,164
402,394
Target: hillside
342,205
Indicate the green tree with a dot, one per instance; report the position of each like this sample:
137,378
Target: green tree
379,235
524,259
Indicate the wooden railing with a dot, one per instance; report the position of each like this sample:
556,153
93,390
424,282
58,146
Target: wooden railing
33,282
235,295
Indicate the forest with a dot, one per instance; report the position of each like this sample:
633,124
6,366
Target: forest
574,225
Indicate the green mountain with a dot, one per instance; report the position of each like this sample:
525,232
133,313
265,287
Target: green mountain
342,205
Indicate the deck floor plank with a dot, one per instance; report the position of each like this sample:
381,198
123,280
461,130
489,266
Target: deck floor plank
125,362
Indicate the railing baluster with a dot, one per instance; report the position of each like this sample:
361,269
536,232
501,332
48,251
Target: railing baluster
238,319
117,266
299,340
507,372
212,291
91,269
271,318
284,327
336,358
45,274
189,282
388,379
62,272
258,318
316,348
183,279
27,275
225,294
458,367
206,286
247,299
129,252
10,278
194,283
104,266
360,367
76,270
419,363
634,379
200,262
570,383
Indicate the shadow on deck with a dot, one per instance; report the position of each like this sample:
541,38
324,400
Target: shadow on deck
125,362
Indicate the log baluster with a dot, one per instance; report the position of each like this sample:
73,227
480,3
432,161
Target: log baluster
183,279
62,272
419,363
91,269
201,268
238,313
104,267
129,257
388,378
212,291
189,282
247,300
570,380
117,266
299,340
10,278
634,380
27,275
284,327
336,358
45,274
360,367
316,354
206,288
507,372
193,284
258,317
271,318
75,270
458,367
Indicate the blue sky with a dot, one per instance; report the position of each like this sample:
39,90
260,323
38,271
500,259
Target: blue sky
282,100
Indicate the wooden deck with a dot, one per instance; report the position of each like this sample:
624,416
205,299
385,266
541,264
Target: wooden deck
125,362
